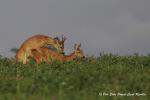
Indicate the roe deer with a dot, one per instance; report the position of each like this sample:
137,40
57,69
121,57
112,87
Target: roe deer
35,43
49,55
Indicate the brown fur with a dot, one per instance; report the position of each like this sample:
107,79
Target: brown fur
35,43
49,55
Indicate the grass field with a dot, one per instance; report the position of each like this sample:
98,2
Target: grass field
85,79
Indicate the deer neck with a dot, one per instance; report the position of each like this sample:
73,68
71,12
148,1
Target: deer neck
70,57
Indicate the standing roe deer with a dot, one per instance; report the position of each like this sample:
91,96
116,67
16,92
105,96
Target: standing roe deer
35,43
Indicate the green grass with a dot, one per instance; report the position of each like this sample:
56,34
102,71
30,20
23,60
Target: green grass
83,79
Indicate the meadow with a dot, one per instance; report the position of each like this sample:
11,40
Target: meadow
92,78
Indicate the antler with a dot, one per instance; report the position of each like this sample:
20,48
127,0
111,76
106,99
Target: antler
75,46
63,39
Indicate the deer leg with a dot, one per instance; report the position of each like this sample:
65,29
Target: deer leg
24,58
38,49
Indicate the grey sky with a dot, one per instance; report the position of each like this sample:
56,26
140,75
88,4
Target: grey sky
121,26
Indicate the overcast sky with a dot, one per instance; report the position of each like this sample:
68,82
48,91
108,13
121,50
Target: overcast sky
117,26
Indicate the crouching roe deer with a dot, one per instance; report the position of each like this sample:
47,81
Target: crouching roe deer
35,42
48,55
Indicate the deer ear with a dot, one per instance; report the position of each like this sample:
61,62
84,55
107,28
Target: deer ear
65,39
56,38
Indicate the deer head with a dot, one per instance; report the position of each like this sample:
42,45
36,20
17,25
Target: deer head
77,51
61,41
